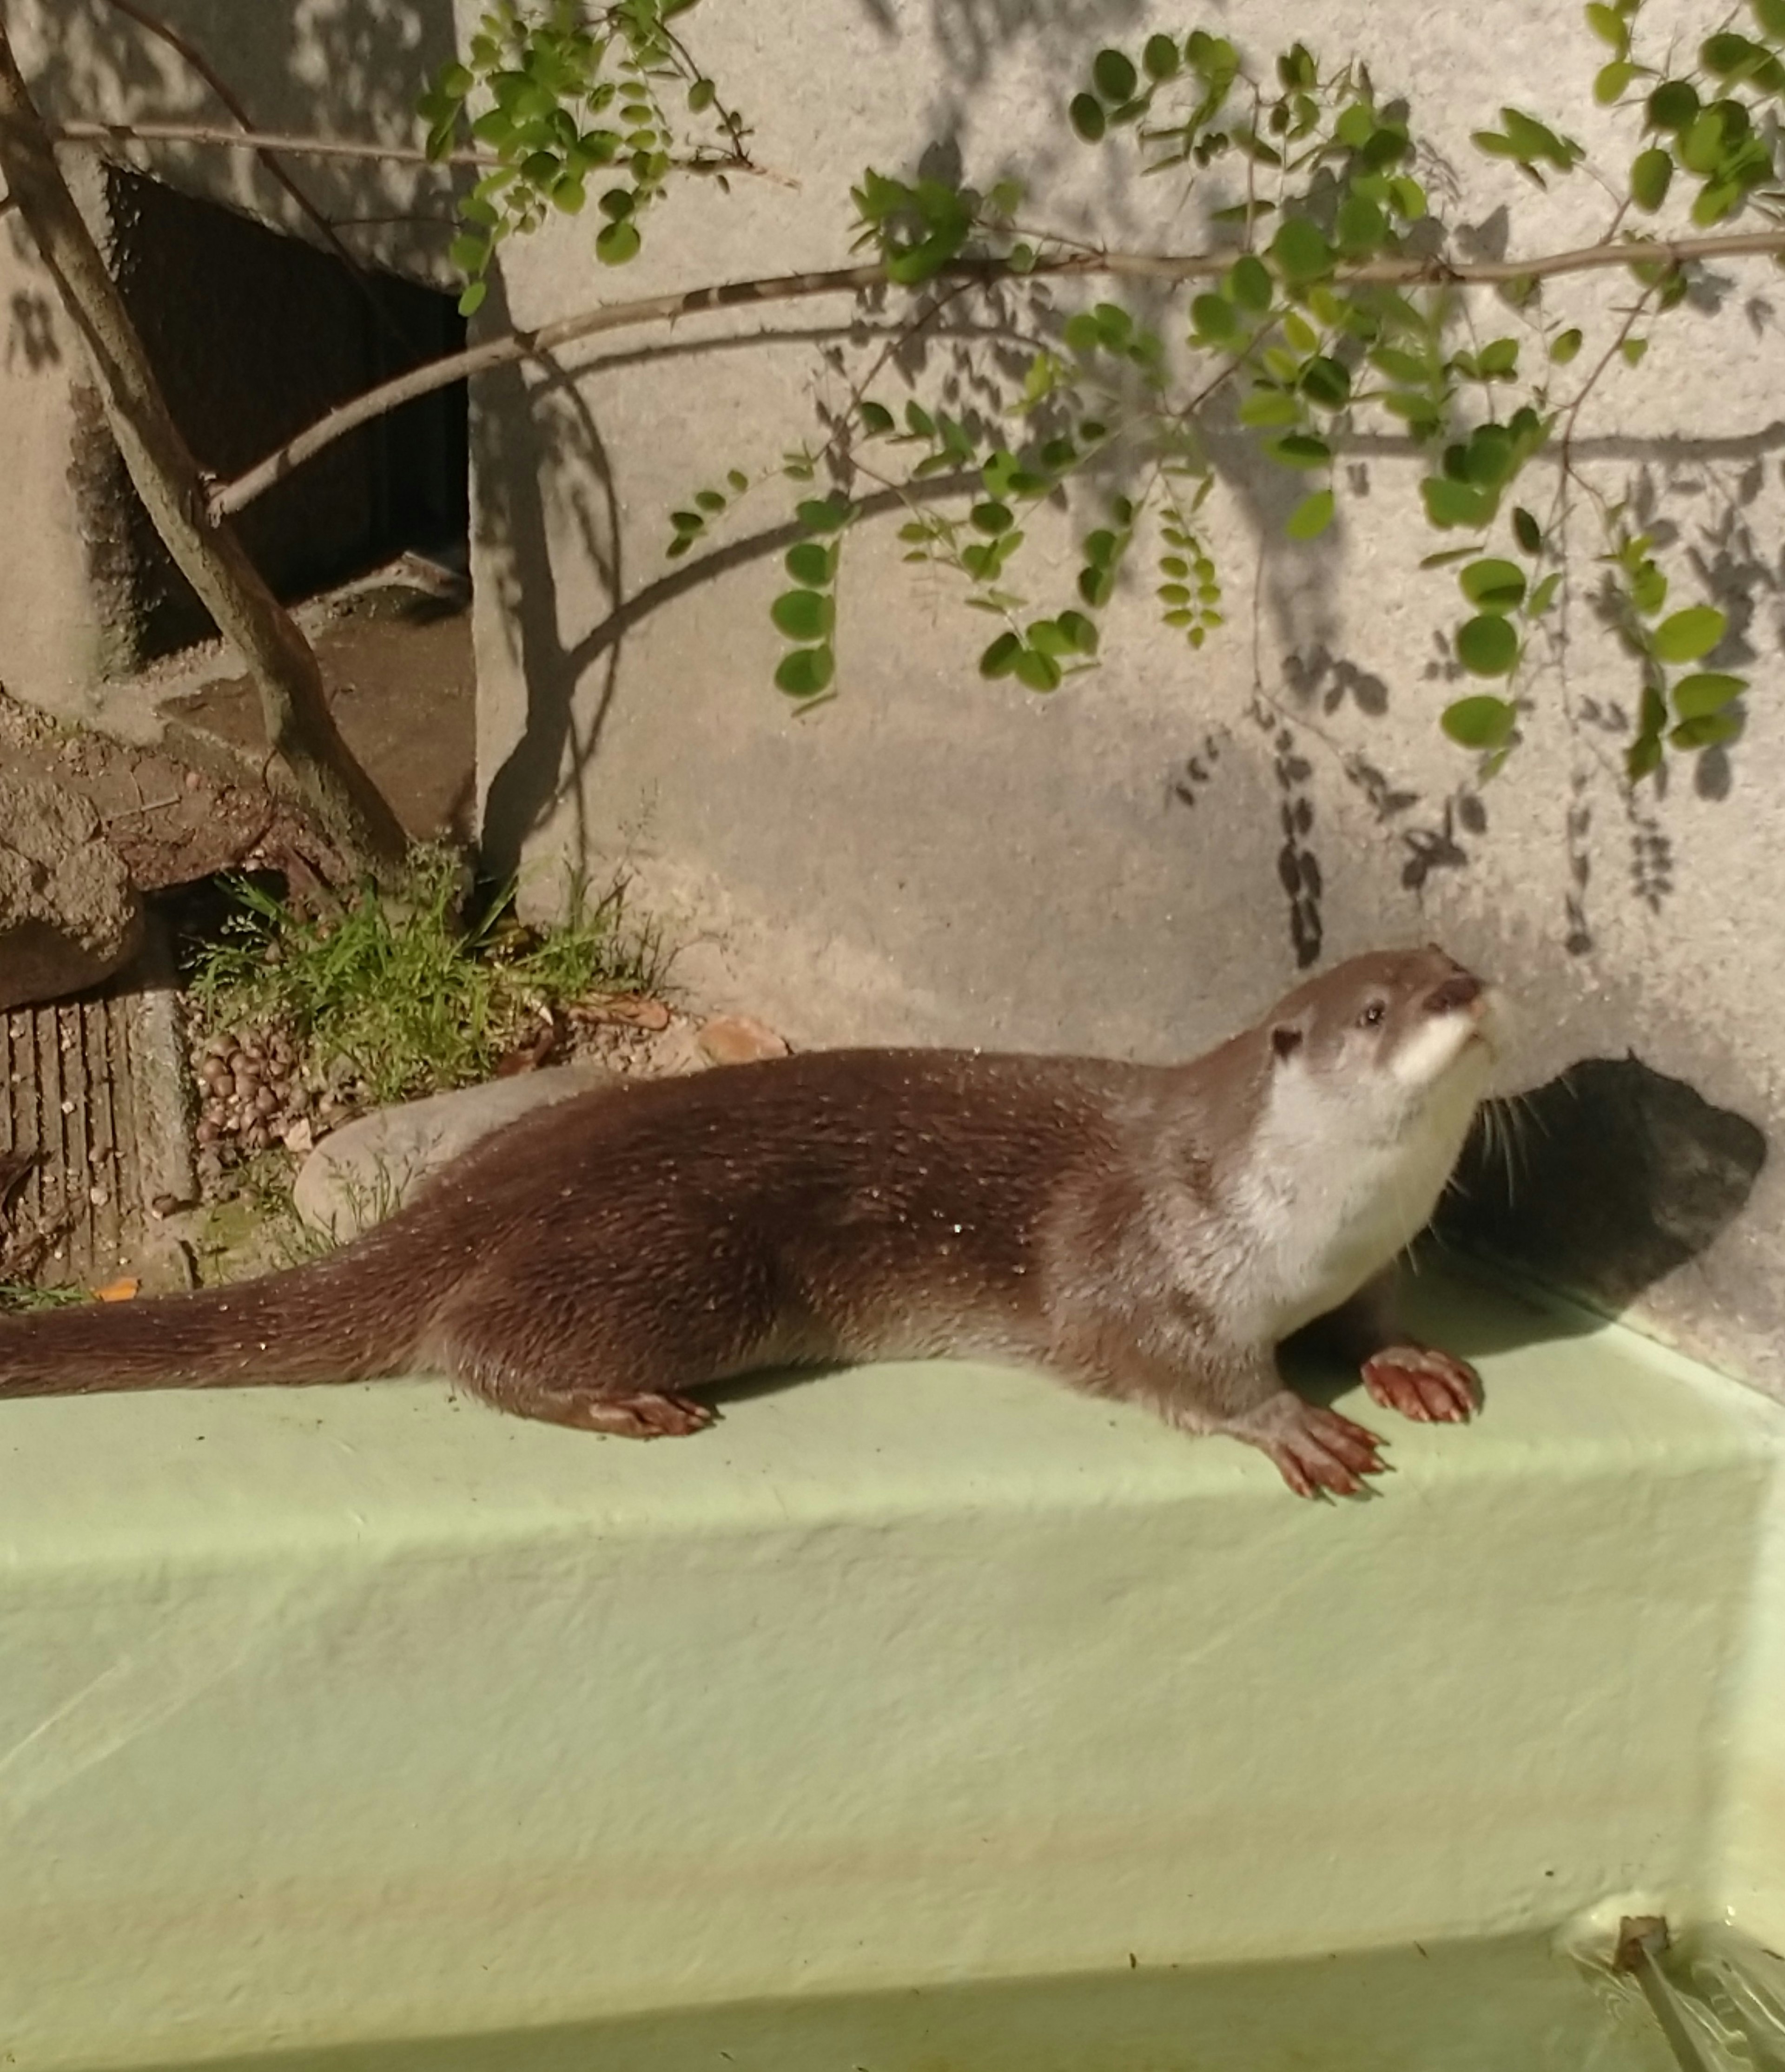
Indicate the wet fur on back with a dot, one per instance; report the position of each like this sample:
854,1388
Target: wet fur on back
1149,1232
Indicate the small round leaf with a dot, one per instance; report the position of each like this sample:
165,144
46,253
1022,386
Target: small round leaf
1479,722
811,565
1249,284
1038,673
805,672
1086,117
1493,586
618,243
1488,646
803,614
1651,175
1113,75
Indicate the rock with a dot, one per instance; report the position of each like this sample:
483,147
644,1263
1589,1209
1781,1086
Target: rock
370,1166
69,915
739,1039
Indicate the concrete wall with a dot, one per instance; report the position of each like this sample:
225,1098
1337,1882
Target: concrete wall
253,334
932,857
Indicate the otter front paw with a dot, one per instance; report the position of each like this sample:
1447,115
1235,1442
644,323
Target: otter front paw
1314,1450
1428,1386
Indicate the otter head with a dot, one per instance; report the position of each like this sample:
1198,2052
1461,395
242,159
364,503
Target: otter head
1393,1034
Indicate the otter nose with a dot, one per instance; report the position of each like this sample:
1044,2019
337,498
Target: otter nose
1457,991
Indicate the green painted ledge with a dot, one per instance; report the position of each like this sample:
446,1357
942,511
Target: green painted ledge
353,1715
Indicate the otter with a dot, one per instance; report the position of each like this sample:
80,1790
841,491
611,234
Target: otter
1149,1233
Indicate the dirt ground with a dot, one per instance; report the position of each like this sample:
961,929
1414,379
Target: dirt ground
397,662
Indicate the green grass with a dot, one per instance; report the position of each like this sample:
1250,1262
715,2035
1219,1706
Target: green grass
18,1297
412,1000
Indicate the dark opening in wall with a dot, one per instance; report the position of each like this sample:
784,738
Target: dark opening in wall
253,335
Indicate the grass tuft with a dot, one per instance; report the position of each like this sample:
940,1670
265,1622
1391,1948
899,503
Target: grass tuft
398,988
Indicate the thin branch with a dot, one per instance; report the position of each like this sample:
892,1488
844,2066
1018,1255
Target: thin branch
236,495
296,146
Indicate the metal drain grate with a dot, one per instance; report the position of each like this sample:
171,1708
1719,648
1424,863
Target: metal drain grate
94,1098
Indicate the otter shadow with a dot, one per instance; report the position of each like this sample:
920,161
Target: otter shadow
1595,1188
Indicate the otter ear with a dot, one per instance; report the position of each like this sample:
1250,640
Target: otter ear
1285,1040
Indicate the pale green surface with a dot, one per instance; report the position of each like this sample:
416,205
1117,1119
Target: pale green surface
1504,2007
352,1714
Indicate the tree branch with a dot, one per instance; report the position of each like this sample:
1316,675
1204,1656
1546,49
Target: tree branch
236,495
300,730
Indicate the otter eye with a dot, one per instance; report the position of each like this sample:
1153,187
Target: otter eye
1372,1015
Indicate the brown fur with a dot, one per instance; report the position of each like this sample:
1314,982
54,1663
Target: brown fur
593,1262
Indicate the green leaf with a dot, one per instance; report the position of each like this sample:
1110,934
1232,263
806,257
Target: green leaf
1683,636
991,518
1113,75
1300,334
1607,24
471,301
1269,406
1249,283
1493,586
1082,333
803,614
701,95
805,672
1711,731
1160,58
1770,15
1705,692
811,565
1100,548
1727,53
618,243
1527,531
1214,318
1300,449
1449,503
1480,721
467,252
1311,516
710,499
1673,106
1399,366
1563,348
1000,658
1488,645
1301,251
1361,227
1046,638
1328,381
1545,595
824,514
1085,113
1610,81
876,418
1038,672
1651,175
1490,458
1079,630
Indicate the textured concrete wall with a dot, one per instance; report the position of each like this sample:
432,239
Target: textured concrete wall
253,335
933,856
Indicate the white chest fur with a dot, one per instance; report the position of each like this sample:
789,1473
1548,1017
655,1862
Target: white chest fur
1339,1185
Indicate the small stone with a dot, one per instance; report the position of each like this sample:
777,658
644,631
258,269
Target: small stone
299,1137
98,1197
265,1101
192,780
739,1039
208,1132
68,1108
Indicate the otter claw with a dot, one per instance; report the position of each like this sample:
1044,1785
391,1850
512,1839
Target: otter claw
1431,1387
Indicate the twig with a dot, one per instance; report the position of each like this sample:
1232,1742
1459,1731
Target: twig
235,494
296,146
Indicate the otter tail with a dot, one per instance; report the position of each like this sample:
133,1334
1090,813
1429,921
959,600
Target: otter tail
353,1316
